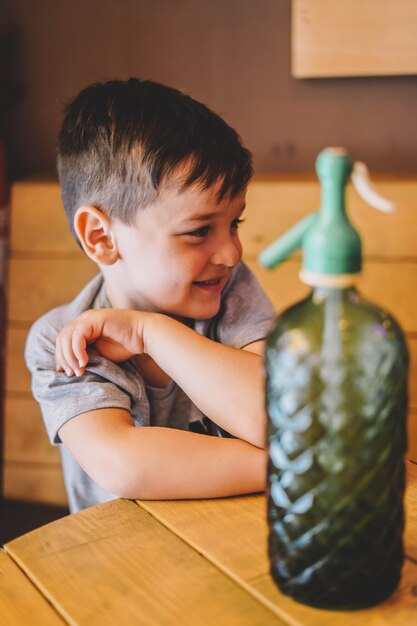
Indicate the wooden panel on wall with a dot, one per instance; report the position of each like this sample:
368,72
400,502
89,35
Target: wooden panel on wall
57,281
17,376
38,222
355,38
27,441
34,483
46,269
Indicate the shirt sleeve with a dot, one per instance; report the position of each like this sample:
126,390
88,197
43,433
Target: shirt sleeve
246,314
61,397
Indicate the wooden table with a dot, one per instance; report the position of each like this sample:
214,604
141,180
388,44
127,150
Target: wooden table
172,562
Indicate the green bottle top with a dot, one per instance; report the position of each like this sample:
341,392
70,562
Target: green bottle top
332,252
332,245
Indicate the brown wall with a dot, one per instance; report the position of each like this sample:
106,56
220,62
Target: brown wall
234,55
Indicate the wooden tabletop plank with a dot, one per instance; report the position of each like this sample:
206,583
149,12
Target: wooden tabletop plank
400,609
20,602
115,563
232,533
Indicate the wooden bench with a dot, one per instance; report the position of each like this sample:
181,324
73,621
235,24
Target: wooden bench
47,268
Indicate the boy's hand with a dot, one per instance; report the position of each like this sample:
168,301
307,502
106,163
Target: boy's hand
117,335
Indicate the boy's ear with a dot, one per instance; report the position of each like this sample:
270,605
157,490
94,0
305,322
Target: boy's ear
94,231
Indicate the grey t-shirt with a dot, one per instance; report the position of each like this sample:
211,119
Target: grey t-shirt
245,316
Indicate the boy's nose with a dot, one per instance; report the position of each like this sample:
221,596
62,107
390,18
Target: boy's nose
228,253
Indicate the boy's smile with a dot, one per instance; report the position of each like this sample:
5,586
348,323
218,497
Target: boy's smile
178,254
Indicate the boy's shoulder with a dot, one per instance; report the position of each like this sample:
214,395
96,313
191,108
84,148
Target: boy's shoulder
43,332
246,312
244,293
241,279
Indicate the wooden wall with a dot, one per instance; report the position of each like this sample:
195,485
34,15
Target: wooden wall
46,268
355,38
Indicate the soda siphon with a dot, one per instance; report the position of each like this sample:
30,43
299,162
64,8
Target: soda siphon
336,398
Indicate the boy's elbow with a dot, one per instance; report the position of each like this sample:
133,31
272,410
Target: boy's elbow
258,441
133,487
118,477
257,431
138,481
261,443
122,485
126,467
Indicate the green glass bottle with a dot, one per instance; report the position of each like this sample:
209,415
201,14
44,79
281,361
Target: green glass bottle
336,398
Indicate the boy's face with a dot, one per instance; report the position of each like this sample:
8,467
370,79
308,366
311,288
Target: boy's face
178,255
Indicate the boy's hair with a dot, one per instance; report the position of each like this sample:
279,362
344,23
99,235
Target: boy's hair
120,141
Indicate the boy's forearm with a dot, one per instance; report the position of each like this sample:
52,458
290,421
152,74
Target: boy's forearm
227,384
165,463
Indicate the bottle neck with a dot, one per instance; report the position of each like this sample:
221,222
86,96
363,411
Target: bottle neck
336,294
332,201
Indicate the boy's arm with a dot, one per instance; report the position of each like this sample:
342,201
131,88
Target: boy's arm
161,463
225,383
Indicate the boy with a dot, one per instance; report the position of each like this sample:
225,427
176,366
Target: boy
153,184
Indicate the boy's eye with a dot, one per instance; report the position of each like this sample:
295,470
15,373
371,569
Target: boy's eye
200,232
203,231
237,222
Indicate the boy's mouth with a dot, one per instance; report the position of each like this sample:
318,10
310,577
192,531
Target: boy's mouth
207,283
214,284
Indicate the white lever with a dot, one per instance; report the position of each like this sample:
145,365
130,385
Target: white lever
366,190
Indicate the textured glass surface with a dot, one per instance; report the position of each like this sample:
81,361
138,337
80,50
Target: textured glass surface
336,397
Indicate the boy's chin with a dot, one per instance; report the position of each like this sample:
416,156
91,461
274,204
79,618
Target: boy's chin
203,312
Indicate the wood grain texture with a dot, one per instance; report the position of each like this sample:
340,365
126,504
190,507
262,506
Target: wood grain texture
355,38
34,482
232,533
37,220
17,376
21,604
38,285
115,563
25,435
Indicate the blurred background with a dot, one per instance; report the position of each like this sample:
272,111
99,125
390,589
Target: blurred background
234,55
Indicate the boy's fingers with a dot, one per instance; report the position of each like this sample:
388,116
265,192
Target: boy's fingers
70,353
79,345
70,360
59,359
